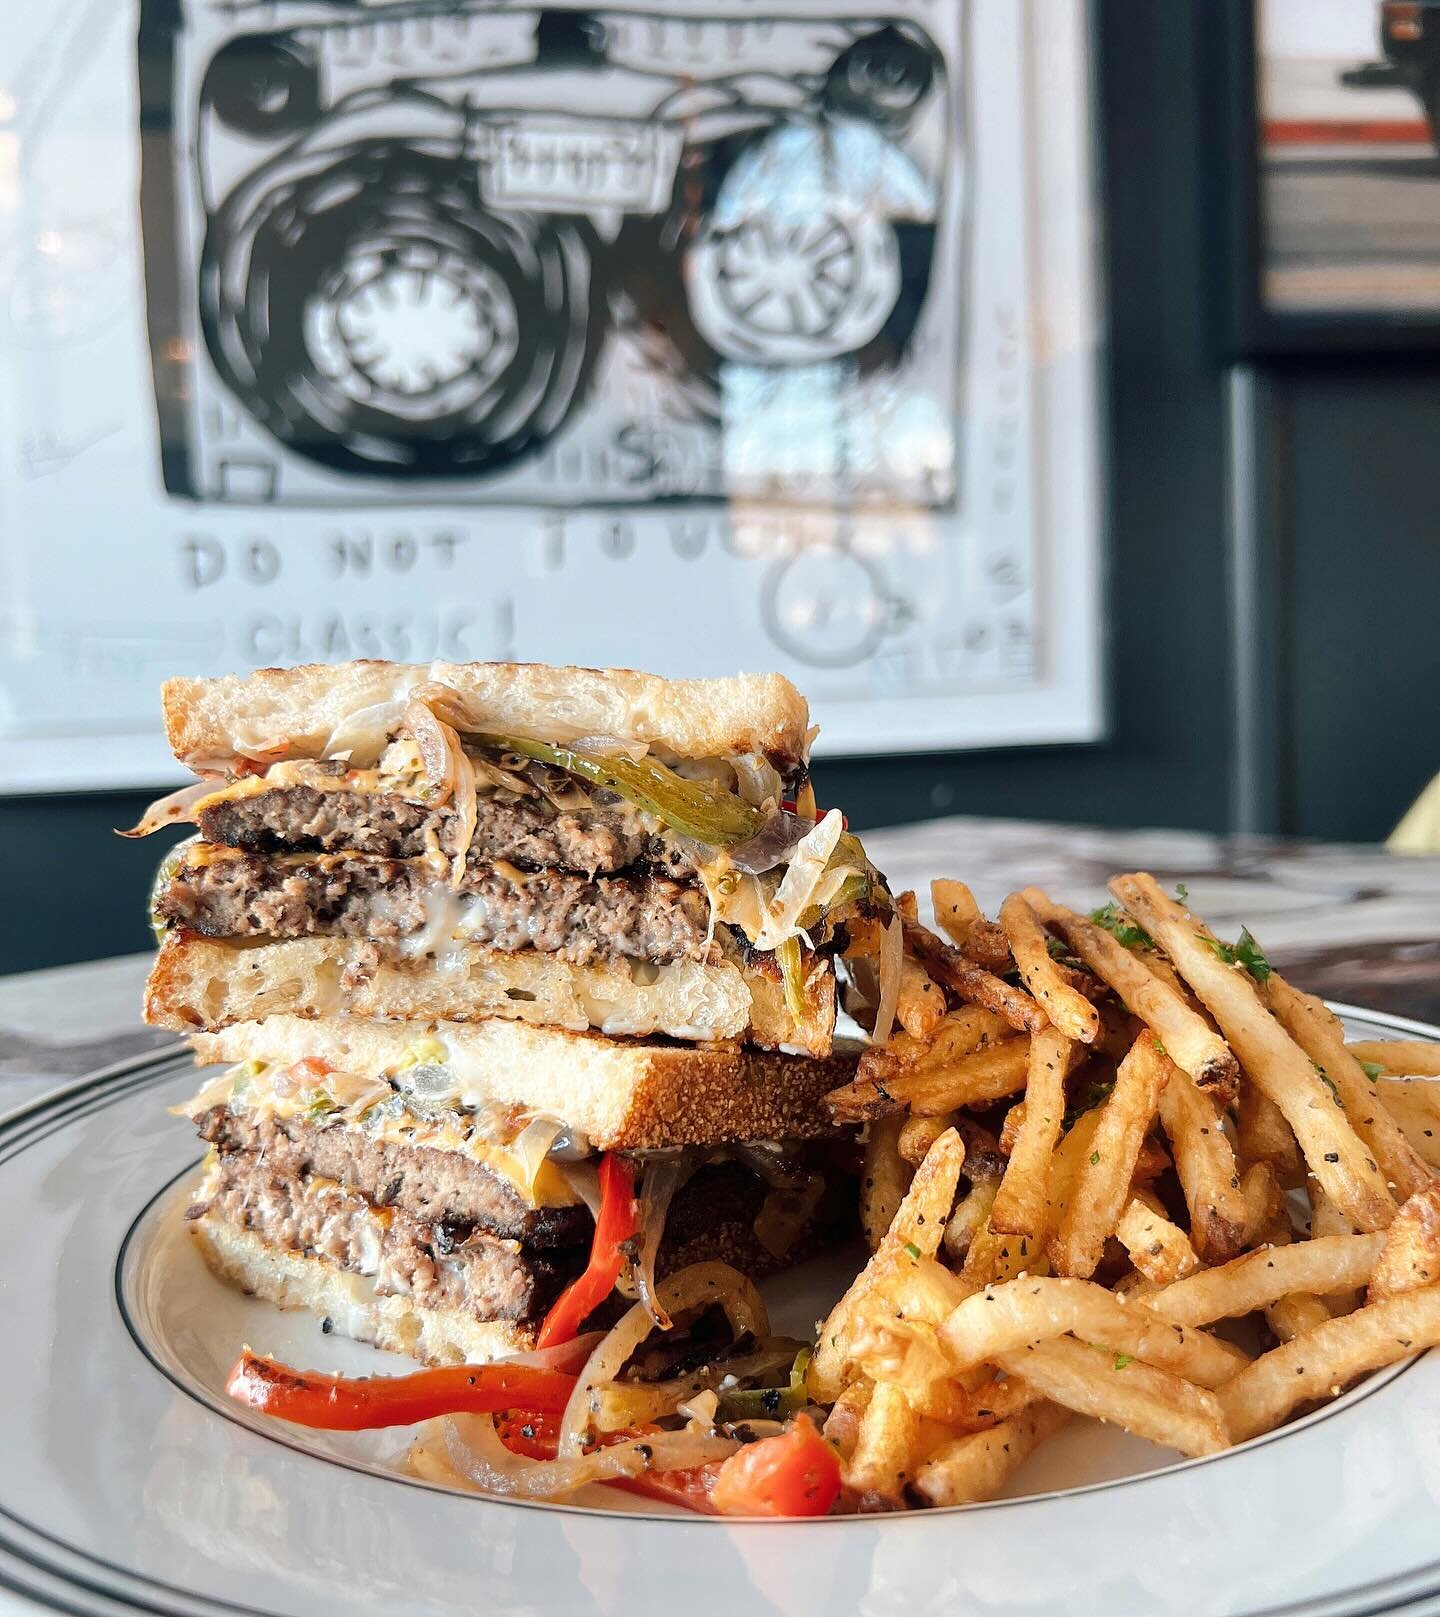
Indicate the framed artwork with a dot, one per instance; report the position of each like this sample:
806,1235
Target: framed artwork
1333,111
688,336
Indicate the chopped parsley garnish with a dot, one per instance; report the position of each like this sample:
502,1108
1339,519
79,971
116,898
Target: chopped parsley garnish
1182,893
1056,949
1373,1069
1245,951
1094,1158
1122,1360
913,1250
1328,1081
1096,1094
1120,927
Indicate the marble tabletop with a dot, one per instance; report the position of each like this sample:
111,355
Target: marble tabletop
1352,922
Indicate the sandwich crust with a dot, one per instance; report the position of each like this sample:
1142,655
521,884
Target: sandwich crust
624,1094
293,712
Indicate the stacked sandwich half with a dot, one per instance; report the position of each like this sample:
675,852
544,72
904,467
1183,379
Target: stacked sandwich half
522,981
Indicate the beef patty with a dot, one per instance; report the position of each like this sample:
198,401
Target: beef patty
436,1265
433,1187
640,917
527,831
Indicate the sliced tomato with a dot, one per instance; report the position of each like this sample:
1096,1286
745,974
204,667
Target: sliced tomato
337,1404
613,1228
794,1474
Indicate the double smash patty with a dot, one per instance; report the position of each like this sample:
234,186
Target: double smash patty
437,1187
586,886
437,1265
526,831
446,1232
640,916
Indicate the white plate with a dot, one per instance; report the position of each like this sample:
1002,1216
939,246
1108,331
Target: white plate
128,1485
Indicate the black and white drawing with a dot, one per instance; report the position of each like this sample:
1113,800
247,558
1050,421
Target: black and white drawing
564,255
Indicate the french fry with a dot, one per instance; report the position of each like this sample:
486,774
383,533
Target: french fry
1160,1250
906,1353
975,1080
921,1217
1263,1198
1069,1011
884,1178
1019,1207
1331,1264
918,1224
955,909
881,1066
1329,1357
994,1255
1326,1220
1151,1403
1335,1153
1293,1316
988,1075
1263,1135
883,1459
1289,1317
1414,1103
1189,1040
986,944
921,1005
978,1466
1004,1318
971,1216
1103,1185
1410,1257
918,1134
970,982
842,1424
1070,1156
1205,1164
1315,1029
996,1399
1411,1058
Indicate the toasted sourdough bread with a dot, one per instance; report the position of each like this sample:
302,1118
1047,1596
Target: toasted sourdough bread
208,983
293,712
623,1094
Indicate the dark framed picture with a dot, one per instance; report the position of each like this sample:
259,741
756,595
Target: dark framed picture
1333,180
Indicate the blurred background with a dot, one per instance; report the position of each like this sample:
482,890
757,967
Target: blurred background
1048,388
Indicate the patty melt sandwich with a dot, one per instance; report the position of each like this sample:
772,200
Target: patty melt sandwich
521,985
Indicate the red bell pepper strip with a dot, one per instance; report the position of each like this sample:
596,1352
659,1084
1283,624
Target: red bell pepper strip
794,1474
534,1433
613,1228
691,1488
336,1404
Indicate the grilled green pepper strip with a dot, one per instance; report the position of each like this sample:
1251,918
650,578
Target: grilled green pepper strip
695,808
792,973
767,1403
164,875
855,887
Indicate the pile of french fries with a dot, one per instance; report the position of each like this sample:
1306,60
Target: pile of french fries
1117,1168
